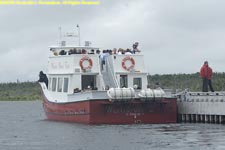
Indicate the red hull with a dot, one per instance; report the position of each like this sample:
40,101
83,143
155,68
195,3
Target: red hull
106,112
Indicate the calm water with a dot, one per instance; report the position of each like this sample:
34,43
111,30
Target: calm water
23,127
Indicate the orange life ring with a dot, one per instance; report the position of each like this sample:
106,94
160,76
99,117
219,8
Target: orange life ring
86,58
128,59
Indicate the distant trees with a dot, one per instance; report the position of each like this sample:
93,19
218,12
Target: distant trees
20,91
23,91
186,81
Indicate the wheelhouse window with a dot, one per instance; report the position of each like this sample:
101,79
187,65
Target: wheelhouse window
66,84
54,80
88,82
137,83
123,81
60,81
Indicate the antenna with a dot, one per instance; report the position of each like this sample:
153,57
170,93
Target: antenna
78,29
60,33
60,36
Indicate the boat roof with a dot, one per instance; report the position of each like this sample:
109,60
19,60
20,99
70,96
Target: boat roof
71,47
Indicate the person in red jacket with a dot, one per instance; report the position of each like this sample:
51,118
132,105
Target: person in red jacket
206,75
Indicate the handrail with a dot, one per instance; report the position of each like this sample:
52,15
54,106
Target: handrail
112,73
102,80
101,77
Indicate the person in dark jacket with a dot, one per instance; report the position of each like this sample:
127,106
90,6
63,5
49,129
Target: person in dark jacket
43,78
206,75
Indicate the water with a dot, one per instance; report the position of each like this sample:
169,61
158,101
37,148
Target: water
23,126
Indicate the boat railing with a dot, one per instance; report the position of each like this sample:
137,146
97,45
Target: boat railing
102,83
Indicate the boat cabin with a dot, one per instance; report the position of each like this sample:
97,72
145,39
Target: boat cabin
75,69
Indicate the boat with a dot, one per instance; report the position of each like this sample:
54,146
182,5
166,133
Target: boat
84,89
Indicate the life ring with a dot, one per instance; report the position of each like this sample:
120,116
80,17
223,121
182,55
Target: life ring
128,59
89,61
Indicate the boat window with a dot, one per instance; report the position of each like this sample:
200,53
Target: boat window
59,88
137,84
54,84
49,84
88,82
123,81
66,83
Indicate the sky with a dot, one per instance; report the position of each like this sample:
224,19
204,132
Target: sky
175,36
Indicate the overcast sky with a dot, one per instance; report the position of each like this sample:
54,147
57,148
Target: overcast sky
175,36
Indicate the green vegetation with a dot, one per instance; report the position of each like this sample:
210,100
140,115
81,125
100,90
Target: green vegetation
186,81
20,91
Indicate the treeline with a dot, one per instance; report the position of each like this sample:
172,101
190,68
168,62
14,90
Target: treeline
31,90
20,91
186,81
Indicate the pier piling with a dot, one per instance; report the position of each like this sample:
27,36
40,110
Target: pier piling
194,118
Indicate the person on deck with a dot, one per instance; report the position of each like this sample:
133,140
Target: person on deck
135,48
120,51
43,78
128,52
206,75
103,58
98,51
114,51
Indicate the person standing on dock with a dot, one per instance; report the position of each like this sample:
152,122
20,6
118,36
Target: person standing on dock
206,75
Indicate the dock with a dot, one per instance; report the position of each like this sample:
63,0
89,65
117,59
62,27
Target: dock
201,107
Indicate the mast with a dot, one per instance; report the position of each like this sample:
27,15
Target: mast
60,33
78,29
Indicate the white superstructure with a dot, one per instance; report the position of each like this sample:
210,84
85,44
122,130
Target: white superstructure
78,73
